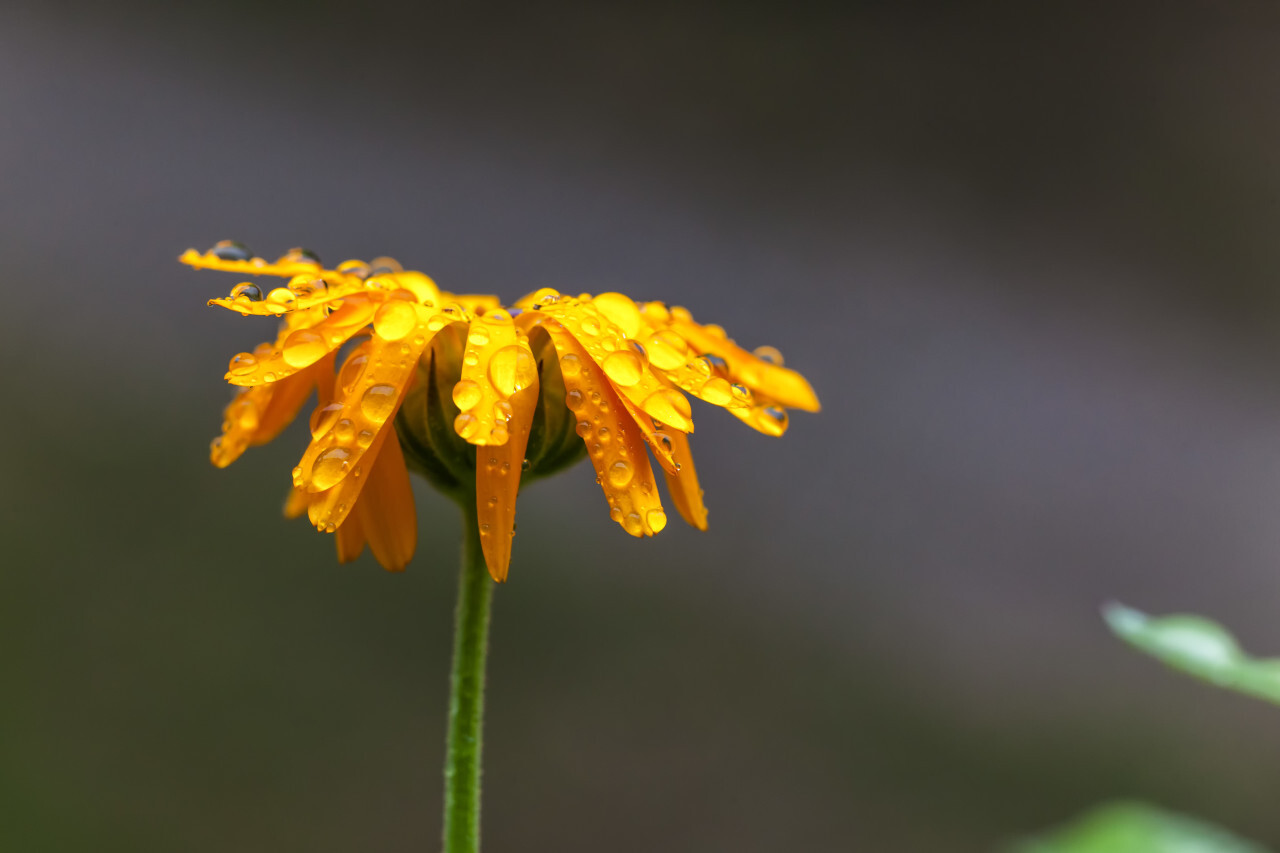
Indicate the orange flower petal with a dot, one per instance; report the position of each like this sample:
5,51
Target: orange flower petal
659,441
257,415
295,505
385,511
621,358
777,383
496,363
349,538
303,345
613,440
498,471
369,403
686,494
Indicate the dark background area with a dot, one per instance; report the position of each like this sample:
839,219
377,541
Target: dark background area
1026,253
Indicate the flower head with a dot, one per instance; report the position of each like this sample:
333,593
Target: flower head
476,396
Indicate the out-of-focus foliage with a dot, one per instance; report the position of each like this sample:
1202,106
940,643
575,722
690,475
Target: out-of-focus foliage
1200,647
1137,828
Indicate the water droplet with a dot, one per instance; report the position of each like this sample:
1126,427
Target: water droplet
471,358
570,365
478,335
359,269
657,520
583,428
590,326
364,438
615,512
281,299
769,354
246,292
394,320
741,393
574,400
503,411
330,467
546,295
716,363
343,430
230,250
383,265
667,350
624,367
621,311
330,527
525,465
378,402
511,369
498,316
665,441
716,391
306,286
322,418
299,255
352,369
466,425
303,347
620,473
656,312
669,406
466,394
499,434
714,330
604,435
774,419
242,364
633,524
269,377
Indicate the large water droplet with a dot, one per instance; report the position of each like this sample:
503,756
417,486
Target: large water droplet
657,520
246,292
378,402
466,394
466,425
359,269
351,371
669,406
394,320
306,286
667,350
624,367
769,354
322,417
343,430
281,299
621,311
477,335
716,391
620,473
299,255
632,523
656,312
330,467
230,250
716,363
242,364
574,400
511,369
570,365
303,347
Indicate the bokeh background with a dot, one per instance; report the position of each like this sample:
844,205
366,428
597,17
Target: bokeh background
1026,253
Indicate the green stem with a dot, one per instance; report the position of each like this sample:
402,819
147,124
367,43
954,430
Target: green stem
466,695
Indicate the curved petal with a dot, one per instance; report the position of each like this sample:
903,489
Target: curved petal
368,403
686,494
614,443
621,359
659,441
498,470
385,511
778,383
257,415
303,345
496,363
349,539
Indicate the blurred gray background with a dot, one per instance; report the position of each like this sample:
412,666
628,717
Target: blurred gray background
1026,253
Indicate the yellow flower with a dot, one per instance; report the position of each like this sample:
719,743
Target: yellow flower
530,387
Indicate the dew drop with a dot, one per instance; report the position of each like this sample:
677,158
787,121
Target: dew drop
633,524
364,438
525,465
741,393
246,292
303,347
715,362
330,467
352,370
624,367
511,369
466,425
574,400
774,419
769,354
620,473
322,418
570,365
590,326
478,335
667,350
466,394
242,364
378,402
306,286
394,320
383,265
669,406
359,269
656,312
716,391
471,359
230,250
299,255
281,299
657,520
621,311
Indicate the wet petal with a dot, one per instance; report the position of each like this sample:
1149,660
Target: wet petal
349,539
614,442
659,441
303,344
496,363
257,415
498,471
369,398
766,416
622,361
385,510
683,486
778,383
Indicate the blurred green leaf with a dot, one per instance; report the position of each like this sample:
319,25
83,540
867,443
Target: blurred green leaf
1200,647
1137,828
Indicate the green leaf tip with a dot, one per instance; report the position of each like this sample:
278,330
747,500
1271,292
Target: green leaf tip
1199,647
1128,827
